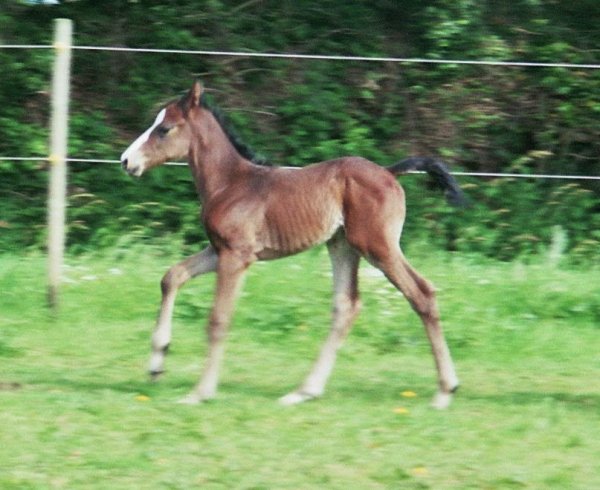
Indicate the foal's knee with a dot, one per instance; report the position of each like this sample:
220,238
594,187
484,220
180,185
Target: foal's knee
345,311
345,305
166,282
216,329
425,304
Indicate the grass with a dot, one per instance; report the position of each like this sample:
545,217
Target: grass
78,411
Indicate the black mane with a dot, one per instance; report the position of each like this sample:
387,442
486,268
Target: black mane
243,148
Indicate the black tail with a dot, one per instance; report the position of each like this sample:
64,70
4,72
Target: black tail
438,171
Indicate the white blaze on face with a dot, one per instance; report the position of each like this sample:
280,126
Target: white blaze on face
136,145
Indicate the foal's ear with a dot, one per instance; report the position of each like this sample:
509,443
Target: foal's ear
196,92
193,97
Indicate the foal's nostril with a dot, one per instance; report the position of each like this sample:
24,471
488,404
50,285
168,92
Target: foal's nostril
124,164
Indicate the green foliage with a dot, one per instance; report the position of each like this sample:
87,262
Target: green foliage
296,112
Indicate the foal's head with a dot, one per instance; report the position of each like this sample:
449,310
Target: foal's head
167,139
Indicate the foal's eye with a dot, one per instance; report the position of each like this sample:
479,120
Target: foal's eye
162,131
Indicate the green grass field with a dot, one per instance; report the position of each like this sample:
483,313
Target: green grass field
77,411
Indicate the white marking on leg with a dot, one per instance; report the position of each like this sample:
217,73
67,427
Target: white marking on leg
344,313
421,295
201,263
441,400
346,307
161,337
207,387
294,398
231,268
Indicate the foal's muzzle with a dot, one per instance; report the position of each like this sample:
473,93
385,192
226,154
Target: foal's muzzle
133,171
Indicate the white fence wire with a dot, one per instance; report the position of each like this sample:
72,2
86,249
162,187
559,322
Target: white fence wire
455,173
324,57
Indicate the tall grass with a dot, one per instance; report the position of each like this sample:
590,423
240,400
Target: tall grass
78,411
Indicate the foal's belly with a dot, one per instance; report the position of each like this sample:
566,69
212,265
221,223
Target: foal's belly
291,231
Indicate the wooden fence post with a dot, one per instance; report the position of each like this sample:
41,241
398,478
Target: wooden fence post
58,154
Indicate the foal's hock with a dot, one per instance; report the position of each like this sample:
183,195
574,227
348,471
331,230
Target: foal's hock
254,212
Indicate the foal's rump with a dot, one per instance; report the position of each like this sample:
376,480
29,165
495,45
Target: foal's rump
333,181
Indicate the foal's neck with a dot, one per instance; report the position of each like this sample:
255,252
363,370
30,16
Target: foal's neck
213,160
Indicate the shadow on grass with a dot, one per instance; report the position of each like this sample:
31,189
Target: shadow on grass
367,390
178,385
95,385
584,401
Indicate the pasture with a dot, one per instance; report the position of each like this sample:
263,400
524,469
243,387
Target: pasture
78,410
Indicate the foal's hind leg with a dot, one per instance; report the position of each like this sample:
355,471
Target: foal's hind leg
421,295
200,263
346,306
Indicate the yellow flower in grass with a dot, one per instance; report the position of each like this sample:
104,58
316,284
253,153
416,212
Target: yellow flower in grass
401,410
142,398
419,471
408,394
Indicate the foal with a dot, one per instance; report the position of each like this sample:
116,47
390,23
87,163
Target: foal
254,212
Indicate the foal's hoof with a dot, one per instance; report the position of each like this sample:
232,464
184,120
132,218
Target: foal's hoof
157,360
441,400
154,375
191,399
296,397
198,396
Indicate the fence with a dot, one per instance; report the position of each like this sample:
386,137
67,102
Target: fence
454,172
59,127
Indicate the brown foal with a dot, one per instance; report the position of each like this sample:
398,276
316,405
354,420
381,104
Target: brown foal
253,212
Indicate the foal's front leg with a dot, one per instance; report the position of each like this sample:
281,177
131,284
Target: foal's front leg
177,276
230,273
